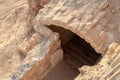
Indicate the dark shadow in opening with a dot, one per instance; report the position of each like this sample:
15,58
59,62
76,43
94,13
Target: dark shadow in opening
77,53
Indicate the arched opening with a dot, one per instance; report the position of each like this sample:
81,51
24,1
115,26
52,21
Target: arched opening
77,53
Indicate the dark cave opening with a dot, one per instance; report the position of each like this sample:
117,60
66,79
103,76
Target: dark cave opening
77,53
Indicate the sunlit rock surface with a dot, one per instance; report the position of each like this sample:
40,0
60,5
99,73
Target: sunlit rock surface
29,47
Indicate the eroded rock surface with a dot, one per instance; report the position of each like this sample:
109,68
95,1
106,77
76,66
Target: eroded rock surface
42,58
29,49
92,20
16,28
99,69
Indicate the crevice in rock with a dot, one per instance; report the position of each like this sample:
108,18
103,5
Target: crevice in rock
77,53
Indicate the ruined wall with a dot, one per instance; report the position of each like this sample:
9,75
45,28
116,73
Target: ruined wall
42,58
16,28
26,43
93,20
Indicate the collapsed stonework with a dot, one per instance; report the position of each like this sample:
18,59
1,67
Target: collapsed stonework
30,47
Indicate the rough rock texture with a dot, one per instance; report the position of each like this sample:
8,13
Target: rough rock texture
42,58
99,69
16,28
93,20
28,46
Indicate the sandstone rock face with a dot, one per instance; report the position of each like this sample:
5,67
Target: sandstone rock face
42,58
92,20
99,69
15,28
29,49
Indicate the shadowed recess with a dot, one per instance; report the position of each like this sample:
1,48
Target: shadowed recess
77,53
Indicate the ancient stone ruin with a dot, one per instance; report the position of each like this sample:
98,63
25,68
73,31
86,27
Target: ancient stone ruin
59,39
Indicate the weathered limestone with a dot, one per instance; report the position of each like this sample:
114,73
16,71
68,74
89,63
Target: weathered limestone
65,35
90,19
28,46
97,72
16,30
35,5
25,47
42,58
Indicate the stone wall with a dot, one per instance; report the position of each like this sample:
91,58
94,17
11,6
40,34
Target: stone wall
42,58
93,20
28,46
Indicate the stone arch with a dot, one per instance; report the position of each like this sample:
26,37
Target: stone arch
87,18
84,20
